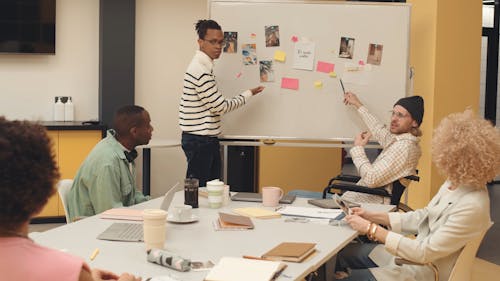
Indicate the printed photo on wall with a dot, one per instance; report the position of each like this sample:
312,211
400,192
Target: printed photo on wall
272,36
230,42
346,48
266,71
249,53
375,54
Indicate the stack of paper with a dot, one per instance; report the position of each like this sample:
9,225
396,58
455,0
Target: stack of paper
310,212
257,213
231,269
233,222
290,251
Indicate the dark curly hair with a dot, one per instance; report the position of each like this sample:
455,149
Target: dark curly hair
202,25
28,171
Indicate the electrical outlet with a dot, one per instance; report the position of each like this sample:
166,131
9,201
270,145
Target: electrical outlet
64,99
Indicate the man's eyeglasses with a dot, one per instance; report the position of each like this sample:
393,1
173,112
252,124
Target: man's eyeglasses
214,42
398,115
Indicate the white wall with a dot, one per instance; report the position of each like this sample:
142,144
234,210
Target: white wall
165,44
28,83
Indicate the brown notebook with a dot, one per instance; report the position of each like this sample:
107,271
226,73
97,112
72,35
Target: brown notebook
290,251
235,221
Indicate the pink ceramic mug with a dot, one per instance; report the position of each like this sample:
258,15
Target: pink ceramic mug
271,196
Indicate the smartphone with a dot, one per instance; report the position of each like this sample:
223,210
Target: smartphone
342,205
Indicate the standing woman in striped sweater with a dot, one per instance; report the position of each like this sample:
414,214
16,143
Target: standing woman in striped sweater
202,105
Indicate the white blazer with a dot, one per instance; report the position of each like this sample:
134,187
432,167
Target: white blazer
443,227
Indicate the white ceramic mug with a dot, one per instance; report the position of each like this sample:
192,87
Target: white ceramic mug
182,213
215,188
154,228
271,196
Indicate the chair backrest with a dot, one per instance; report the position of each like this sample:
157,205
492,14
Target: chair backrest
63,187
462,269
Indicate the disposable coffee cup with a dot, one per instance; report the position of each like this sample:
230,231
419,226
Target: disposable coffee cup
215,189
154,228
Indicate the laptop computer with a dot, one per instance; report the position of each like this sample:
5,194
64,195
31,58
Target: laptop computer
133,232
257,197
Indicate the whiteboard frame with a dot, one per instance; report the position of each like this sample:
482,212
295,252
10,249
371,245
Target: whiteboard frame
301,141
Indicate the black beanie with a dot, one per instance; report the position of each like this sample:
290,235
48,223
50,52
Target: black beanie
415,106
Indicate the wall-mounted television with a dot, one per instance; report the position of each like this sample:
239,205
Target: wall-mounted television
28,26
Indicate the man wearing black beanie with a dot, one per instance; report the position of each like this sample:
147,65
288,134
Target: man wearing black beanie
401,151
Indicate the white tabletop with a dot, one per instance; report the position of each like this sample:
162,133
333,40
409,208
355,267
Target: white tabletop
199,241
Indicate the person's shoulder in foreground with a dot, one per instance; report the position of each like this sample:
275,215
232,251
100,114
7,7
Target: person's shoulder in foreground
25,146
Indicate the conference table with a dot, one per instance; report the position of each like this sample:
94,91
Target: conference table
199,241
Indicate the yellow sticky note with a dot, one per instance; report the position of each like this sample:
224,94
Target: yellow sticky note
279,56
318,84
332,74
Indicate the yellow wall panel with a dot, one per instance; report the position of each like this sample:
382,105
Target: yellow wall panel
52,206
298,168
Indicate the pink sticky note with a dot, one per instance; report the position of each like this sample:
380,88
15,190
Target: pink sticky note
361,62
238,75
295,38
325,67
290,83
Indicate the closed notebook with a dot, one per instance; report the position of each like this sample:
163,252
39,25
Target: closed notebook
235,221
290,251
122,214
232,268
257,213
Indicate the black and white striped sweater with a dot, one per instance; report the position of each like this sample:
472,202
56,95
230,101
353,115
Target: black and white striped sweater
202,105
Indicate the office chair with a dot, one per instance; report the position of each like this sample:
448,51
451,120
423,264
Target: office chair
462,269
63,187
347,183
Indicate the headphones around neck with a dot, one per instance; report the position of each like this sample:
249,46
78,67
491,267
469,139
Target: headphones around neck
130,155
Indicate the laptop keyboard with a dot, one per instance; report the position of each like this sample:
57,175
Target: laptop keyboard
133,231
123,232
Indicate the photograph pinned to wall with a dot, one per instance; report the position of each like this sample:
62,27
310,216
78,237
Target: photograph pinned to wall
249,52
304,55
375,54
272,35
231,42
266,71
346,48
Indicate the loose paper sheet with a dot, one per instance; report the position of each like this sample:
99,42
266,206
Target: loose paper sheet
304,55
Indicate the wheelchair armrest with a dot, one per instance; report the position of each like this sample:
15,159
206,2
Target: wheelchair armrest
345,178
413,178
359,188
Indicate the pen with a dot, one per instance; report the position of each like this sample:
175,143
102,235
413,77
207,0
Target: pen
94,254
256,258
342,85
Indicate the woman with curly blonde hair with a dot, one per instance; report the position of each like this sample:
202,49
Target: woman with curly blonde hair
466,149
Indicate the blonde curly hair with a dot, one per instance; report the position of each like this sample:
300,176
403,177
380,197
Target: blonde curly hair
466,149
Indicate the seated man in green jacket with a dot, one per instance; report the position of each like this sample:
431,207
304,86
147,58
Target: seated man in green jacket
106,178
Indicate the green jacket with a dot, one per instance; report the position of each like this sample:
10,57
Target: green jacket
104,181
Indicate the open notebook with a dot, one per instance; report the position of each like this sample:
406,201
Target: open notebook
232,268
131,231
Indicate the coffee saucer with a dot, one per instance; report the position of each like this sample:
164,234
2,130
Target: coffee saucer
175,220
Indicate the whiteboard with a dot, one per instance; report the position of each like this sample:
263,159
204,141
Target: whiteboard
312,112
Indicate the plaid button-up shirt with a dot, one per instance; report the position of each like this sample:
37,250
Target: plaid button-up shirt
398,159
